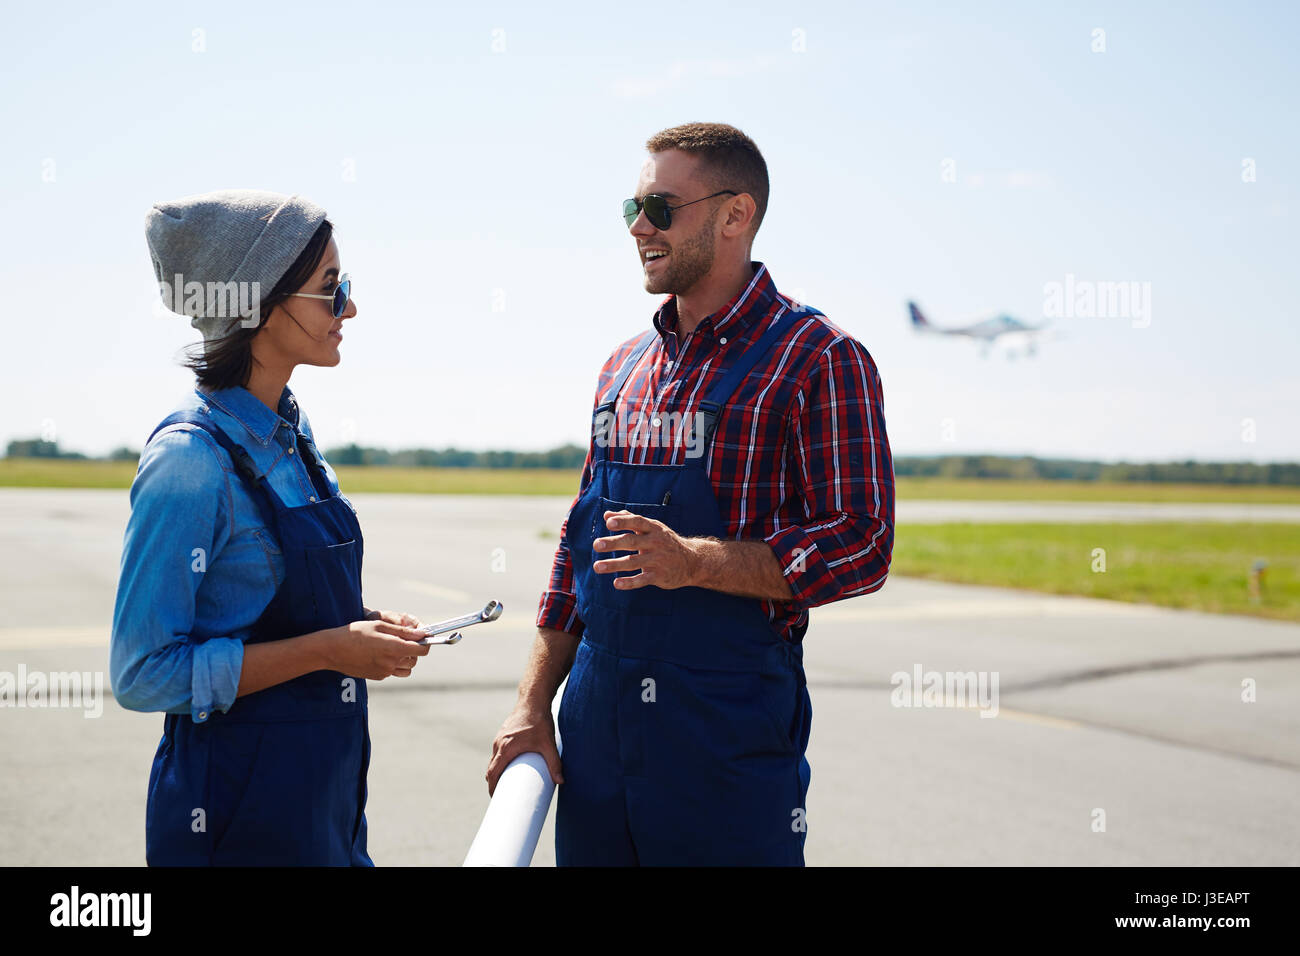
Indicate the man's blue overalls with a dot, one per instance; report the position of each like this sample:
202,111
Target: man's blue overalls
686,716
281,776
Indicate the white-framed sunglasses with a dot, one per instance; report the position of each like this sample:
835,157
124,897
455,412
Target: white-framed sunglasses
338,298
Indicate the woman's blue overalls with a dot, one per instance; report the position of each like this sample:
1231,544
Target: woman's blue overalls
686,716
279,779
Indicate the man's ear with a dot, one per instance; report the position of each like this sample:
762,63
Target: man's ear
739,215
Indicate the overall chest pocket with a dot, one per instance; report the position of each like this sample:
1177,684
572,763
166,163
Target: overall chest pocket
327,595
649,600
334,576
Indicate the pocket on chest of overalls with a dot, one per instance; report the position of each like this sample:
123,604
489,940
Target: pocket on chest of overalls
647,599
334,573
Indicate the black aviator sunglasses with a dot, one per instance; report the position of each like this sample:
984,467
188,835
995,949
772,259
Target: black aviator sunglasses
657,209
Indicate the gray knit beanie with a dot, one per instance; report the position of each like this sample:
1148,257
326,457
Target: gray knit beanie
216,255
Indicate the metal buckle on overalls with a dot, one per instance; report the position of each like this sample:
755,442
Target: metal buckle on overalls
244,464
710,411
602,425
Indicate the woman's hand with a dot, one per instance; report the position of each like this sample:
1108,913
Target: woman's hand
394,617
382,646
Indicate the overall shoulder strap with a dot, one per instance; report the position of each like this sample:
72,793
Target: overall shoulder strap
603,417
267,500
311,460
711,407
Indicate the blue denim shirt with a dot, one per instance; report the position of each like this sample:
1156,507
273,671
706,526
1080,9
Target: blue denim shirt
199,565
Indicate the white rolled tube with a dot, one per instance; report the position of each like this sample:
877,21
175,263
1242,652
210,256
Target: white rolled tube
513,822
517,812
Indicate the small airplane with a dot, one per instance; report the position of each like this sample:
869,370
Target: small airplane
1004,332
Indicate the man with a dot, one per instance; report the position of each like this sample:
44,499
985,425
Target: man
679,595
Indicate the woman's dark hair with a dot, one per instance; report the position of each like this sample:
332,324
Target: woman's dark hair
228,363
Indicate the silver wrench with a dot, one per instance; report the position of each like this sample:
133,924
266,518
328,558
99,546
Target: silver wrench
489,613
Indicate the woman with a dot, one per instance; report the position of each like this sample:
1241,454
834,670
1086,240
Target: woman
239,608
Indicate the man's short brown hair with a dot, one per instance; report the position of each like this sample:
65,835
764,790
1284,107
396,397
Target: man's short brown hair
730,157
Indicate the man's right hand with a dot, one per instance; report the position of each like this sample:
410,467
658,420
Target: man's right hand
528,729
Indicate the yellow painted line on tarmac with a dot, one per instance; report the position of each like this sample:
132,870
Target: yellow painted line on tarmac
1024,716
1040,719
41,638
50,638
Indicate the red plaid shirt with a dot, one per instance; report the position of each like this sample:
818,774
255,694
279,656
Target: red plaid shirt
800,458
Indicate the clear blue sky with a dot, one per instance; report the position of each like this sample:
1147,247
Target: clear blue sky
487,175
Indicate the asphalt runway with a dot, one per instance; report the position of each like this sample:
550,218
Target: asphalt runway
1130,712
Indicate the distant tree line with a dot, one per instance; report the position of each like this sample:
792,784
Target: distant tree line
1028,468
566,456
39,448
1022,468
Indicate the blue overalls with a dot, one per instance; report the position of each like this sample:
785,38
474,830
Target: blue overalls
686,716
281,777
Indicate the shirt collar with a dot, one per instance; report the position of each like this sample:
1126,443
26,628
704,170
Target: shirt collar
247,409
749,303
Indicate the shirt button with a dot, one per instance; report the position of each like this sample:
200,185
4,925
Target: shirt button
723,340
655,422
312,498
291,449
203,715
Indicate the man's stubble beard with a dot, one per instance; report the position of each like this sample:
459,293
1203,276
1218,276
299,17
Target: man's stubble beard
688,264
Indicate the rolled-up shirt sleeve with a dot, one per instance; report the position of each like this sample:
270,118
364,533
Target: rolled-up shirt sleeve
840,457
180,516
558,607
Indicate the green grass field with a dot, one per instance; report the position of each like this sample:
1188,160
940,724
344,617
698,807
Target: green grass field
1203,567
51,473
974,489
47,473
460,481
